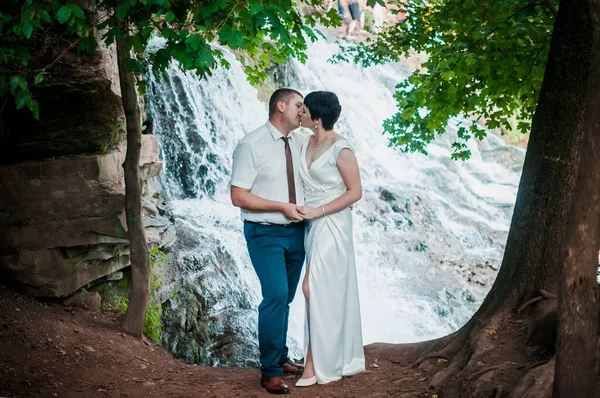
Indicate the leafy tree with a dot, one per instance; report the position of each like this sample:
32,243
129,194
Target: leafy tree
260,30
553,239
485,62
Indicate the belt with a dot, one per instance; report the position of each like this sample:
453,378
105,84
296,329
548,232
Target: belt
292,224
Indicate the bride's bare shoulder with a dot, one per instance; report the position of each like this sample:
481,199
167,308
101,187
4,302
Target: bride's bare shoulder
339,138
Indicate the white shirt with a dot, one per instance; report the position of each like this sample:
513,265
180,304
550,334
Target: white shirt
259,165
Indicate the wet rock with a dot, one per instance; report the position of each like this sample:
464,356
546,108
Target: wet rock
386,195
209,319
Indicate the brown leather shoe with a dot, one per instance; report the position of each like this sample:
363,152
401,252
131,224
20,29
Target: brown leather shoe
274,385
291,368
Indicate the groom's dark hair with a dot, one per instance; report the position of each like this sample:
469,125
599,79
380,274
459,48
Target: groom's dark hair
282,94
323,105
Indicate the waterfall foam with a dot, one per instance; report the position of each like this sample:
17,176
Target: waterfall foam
429,231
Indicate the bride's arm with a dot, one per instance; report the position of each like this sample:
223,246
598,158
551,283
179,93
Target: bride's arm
348,166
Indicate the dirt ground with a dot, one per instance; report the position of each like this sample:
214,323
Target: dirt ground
51,350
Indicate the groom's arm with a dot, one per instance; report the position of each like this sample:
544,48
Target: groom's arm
244,172
243,198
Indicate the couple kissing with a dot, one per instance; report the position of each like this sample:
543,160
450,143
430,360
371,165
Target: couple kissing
295,196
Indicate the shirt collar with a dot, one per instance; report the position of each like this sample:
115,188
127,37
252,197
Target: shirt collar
276,134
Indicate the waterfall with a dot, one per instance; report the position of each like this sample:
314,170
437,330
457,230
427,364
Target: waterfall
429,231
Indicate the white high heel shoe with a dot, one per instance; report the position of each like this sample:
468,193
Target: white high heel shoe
306,382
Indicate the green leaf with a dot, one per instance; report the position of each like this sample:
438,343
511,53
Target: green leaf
14,82
44,15
76,10
104,24
371,3
63,14
194,41
142,86
231,38
170,16
27,30
87,44
121,11
26,14
38,78
21,99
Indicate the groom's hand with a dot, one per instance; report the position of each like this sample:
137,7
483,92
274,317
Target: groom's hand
290,211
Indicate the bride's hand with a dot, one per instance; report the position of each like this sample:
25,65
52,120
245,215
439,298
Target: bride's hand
308,213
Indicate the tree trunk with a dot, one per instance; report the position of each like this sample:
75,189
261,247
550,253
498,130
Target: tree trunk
140,259
575,374
532,258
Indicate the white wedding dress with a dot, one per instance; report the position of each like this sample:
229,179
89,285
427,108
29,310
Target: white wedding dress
333,322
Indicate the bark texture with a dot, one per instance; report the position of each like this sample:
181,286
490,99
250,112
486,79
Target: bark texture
575,374
140,258
532,258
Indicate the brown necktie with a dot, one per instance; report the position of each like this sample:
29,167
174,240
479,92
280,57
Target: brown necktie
290,171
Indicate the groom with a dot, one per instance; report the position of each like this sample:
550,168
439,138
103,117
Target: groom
266,185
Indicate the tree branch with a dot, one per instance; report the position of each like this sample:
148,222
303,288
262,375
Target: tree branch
551,7
533,63
59,57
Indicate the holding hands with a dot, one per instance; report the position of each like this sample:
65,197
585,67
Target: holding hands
299,213
308,213
292,212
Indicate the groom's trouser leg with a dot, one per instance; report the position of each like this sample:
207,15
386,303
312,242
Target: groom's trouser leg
266,246
294,260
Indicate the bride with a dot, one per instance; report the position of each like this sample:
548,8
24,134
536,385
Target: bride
330,174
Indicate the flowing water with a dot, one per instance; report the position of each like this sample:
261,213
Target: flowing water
429,231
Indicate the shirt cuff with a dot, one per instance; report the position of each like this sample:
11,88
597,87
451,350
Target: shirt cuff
240,184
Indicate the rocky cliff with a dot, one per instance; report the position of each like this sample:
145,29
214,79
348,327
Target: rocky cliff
62,217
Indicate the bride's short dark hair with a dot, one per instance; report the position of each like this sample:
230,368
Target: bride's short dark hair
323,105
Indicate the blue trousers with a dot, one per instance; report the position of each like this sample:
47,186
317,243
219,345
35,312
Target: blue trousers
277,254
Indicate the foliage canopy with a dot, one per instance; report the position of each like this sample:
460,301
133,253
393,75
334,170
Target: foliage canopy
485,62
260,30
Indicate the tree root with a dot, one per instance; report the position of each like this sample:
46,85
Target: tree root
476,360
547,294
529,303
533,365
406,353
486,370
537,383
483,357
433,355
455,367
543,295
